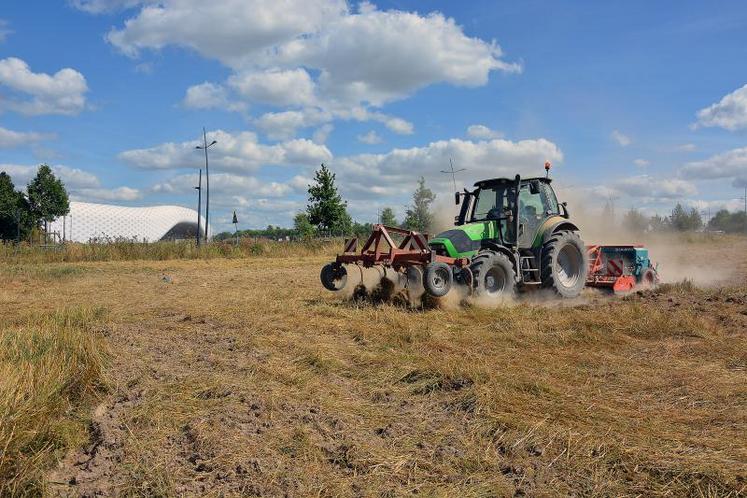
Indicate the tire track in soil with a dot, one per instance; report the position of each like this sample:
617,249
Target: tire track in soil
92,470
144,354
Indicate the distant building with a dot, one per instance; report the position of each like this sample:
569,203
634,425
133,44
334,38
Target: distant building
89,222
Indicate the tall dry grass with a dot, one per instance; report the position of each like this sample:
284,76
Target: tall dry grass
129,251
51,366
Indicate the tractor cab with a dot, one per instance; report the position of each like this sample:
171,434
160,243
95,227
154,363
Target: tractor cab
491,212
496,200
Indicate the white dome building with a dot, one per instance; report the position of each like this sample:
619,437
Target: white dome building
89,222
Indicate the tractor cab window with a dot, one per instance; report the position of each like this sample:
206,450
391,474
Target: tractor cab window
539,204
531,205
491,203
532,209
549,201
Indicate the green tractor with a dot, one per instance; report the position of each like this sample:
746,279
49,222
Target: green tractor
510,234
516,235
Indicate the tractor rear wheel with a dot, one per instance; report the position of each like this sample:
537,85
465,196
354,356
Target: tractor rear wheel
564,264
493,274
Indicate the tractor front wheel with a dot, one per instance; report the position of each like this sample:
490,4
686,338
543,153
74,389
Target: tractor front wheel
493,275
564,264
437,279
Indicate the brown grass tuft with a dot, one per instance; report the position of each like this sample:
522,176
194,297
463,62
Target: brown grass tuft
50,367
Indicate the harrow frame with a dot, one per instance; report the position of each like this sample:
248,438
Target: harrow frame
381,249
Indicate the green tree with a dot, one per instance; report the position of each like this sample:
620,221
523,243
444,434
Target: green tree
362,230
47,196
15,218
635,222
684,220
388,218
326,209
659,223
418,216
728,222
303,226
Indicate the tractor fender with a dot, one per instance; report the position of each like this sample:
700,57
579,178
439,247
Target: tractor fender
504,250
557,227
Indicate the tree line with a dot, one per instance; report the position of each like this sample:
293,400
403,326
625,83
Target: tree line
21,212
684,219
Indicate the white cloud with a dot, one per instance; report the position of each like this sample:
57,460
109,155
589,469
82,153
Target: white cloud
284,125
60,93
226,184
10,138
641,163
482,132
233,31
292,87
370,138
729,113
393,174
715,205
728,164
648,187
397,125
211,96
80,184
101,6
687,147
234,151
621,139
322,133
76,178
4,30
260,212
144,68
316,53
402,52
300,183
105,194
73,178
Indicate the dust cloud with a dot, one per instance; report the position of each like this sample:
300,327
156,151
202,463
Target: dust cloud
679,256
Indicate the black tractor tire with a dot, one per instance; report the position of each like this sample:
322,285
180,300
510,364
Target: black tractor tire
437,279
565,264
493,275
649,278
334,276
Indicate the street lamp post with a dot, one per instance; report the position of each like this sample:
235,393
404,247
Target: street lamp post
205,147
198,188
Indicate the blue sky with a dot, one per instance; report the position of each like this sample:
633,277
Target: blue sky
641,102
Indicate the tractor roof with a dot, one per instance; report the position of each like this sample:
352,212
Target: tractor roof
499,181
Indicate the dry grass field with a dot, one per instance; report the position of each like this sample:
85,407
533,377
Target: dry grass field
244,377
